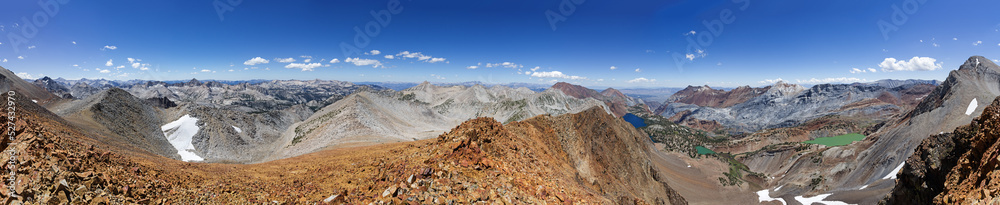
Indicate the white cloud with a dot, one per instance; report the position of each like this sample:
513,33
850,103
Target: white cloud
692,32
307,60
637,70
135,65
74,42
936,45
390,57
130,60
977,43
537,67
600,80
4,60
437,77
285,60
31,47
20,57
109,48
364,62
472,67
697,54
109,63
335,60
375,52
231,70
23,75
255,61
915,64
856,70
641,80
303,66
831,80
104,71
771,81
206,71
613,68
120,67
144,68
435,60
305,56
954,39
872,70
556,74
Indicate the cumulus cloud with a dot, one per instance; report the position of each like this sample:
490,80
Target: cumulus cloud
285,60
130,60
435,60
537,67
375,52
20,57
831,80
556,74
109,48
109,63
120,66
977,43
613,68
303,66
472,67
437,77
857,70
637,70
914,64
255,61
364,62
697,54
771,81
104,71
307,60
641,80
390,57
74,42
24,75
872,70
135,65
206,71
419,56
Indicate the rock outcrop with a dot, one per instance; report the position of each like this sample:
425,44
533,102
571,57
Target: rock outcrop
954,168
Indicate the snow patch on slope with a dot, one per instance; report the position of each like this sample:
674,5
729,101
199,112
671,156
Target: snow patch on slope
180,133
892,175
972,107
818,199
238,130
765,195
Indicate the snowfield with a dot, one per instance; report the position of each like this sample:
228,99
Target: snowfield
972,107
238,130
179,133
765,195
892,175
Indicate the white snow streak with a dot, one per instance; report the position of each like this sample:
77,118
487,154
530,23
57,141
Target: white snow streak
892,175
765,195
238,130
818,199
179,133
972,107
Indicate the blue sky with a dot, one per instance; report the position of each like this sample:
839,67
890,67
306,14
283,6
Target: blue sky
649,43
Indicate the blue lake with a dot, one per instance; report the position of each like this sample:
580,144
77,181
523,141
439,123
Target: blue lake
635,120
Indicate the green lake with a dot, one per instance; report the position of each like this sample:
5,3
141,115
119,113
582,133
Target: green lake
703,150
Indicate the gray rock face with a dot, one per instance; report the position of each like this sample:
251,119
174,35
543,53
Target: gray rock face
941,111
229,136
785,105
127,118
53,87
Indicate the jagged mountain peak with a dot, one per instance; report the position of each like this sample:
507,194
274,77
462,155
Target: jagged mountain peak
979,63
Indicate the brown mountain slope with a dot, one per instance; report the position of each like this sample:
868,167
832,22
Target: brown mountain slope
26,89
589,157
617,105
706,96
954,168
